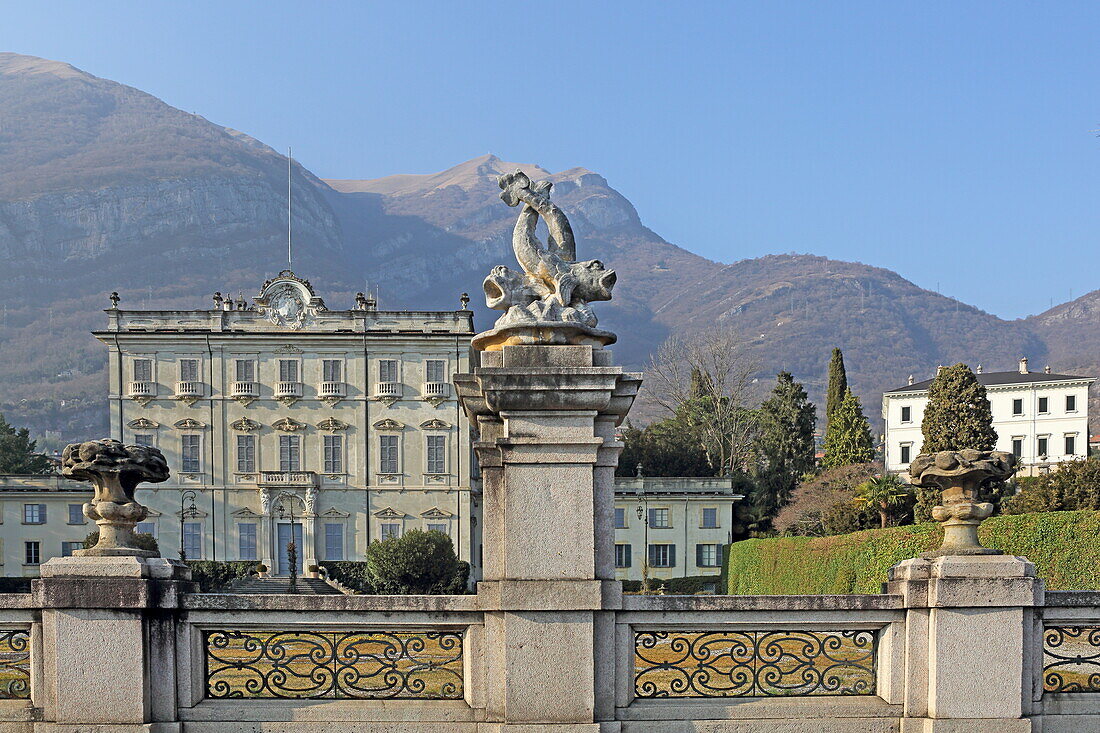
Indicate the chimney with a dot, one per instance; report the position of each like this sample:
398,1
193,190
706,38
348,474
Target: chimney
1046,369
910,379
1023,365
978,370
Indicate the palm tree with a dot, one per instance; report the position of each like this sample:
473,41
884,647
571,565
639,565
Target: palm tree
883,493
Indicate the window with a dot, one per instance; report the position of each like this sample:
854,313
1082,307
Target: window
1071,445
246,454
76,514
334,542
658,518
662,556
288,370
1042,452
68,548
246,541
331,371
1017,407
190,454
437,454
387,370
906,452
387,455
620,518
334,454
622,556
34,514
290,453
1018,447
706,556
143,370
437,528
1071,403
149,528
907,414
435,369
32,553
1044,405
246,370
391,531
192,540
189,370
145,439
710,518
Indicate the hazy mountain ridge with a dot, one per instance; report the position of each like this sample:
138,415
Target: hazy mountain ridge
167,207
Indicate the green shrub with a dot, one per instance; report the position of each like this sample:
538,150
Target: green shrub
416,563
141,539
689,586
216,577
351,573
1062,545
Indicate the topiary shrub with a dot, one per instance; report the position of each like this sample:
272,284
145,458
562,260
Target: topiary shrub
417,563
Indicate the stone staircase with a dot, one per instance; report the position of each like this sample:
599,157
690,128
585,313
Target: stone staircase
280,586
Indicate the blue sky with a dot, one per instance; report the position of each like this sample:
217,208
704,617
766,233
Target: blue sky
953,142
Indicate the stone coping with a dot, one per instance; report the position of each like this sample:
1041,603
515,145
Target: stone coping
1073,598
283,602
854,602
18,600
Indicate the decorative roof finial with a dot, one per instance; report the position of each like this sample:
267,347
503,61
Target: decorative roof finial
465,300
114,300
217,301
360,302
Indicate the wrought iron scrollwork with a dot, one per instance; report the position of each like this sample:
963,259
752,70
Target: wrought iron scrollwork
15,664
1071,659
753,663
424,665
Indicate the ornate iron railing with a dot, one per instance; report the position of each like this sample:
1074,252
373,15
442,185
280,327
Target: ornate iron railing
753,663
1071,659
15,664
425,665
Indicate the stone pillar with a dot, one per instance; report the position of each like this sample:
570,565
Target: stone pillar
545,417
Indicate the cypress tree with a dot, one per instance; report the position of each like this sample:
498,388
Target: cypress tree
838,383
957,417
848,435
17,451
786,444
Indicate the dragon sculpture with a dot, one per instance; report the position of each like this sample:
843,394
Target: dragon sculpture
548,303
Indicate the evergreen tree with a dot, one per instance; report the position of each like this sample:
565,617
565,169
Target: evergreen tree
957,417
848,436
838,383
786,444
666,448
17,452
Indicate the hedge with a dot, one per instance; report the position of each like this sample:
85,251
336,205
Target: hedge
1063,546
351,573
216,576
689,586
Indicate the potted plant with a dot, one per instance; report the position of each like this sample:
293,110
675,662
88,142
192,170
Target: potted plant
314,571
261,570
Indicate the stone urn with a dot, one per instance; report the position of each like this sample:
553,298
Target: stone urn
115,470
960,476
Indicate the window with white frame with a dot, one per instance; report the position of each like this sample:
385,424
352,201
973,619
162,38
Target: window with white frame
1042,446
149,528
246,541
332,370
437,528
707,556
190,453
907,414
192,540
662,556
387,370
906,451
622,556
290,453
76,514
388,454
391,531
709,520
620,518
1071,444
245,370
143,439
288,370
1017,407
1044,405
435,370
334,541
189,370
658,518
32,552
34,514
1071,403
437,453
246,454
334,454
68,548
1018,446
143,370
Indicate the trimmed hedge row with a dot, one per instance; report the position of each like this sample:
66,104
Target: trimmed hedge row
689,586
1063,546
216,576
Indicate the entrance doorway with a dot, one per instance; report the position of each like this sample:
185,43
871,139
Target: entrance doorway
283,539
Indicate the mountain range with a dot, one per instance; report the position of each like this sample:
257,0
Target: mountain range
106,188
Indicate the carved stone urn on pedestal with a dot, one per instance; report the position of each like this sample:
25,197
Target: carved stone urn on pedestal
115,470
960,476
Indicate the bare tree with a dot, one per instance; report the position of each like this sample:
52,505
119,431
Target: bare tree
706,379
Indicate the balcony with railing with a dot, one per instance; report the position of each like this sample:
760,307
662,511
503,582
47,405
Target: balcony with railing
288,389
244,389
333,389
436,389
141,389
281,479
387,389
188,389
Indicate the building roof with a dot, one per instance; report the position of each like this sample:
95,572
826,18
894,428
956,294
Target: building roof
996,379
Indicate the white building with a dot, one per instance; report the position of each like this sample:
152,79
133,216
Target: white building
679,525
1041,418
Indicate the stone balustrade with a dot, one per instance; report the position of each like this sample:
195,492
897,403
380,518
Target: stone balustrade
189,389
141,389
333,389
387,389
244,389
436,389
288,389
